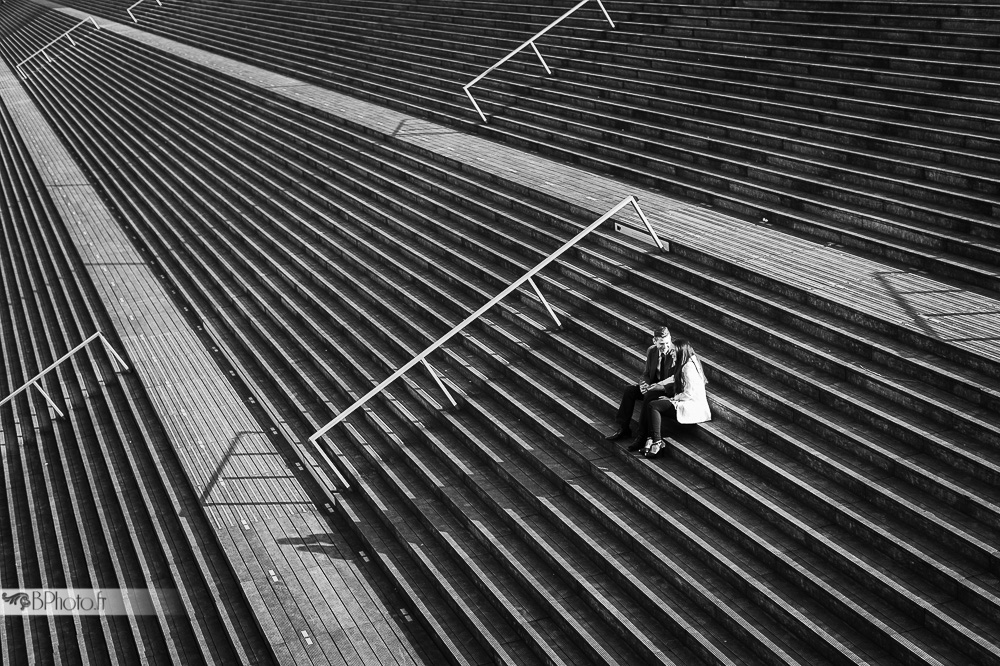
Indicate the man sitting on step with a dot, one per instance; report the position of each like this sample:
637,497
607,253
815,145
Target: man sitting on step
656,381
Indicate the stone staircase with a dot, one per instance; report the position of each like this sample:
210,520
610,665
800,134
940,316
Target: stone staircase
842,507
865,124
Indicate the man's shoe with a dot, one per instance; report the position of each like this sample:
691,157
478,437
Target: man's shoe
621,433
637,445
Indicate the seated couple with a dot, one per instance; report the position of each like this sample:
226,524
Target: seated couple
672,390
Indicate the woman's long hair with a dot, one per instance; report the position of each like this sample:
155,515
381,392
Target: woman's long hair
685,352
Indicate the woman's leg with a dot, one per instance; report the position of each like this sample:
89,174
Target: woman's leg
654,419
662,418
650,395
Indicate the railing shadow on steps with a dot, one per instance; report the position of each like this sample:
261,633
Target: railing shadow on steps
533,47
527,277
34,381
65,34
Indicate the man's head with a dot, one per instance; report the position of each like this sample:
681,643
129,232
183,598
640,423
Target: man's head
661,338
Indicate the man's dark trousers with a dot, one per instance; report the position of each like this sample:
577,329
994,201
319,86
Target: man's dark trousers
633,394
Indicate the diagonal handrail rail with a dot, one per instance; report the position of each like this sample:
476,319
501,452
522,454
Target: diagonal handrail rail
138,2
116,359
65,34
420,358
533,48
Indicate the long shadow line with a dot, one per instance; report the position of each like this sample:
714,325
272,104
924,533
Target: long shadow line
231,452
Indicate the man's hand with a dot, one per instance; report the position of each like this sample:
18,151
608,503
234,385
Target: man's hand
643,387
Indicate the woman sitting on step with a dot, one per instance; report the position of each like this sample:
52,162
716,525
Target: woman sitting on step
688,405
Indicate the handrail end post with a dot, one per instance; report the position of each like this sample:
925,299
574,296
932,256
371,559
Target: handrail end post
538,293
94,21
134,19
341,479
473,100
440,383
316,436
329,426
115,357
601,5
48,399
645,221
540,58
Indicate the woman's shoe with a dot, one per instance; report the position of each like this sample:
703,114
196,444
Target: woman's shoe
655,449
645,449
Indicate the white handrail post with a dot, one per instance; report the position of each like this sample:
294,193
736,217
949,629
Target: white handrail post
535,49
70,37
330,464
138,2
481,115
115,358
46,54
92,20
439,383
49,400
601,4
538,293
649,227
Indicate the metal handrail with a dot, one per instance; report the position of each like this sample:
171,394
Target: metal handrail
129,10
65,34
533,48
496,299
116,359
